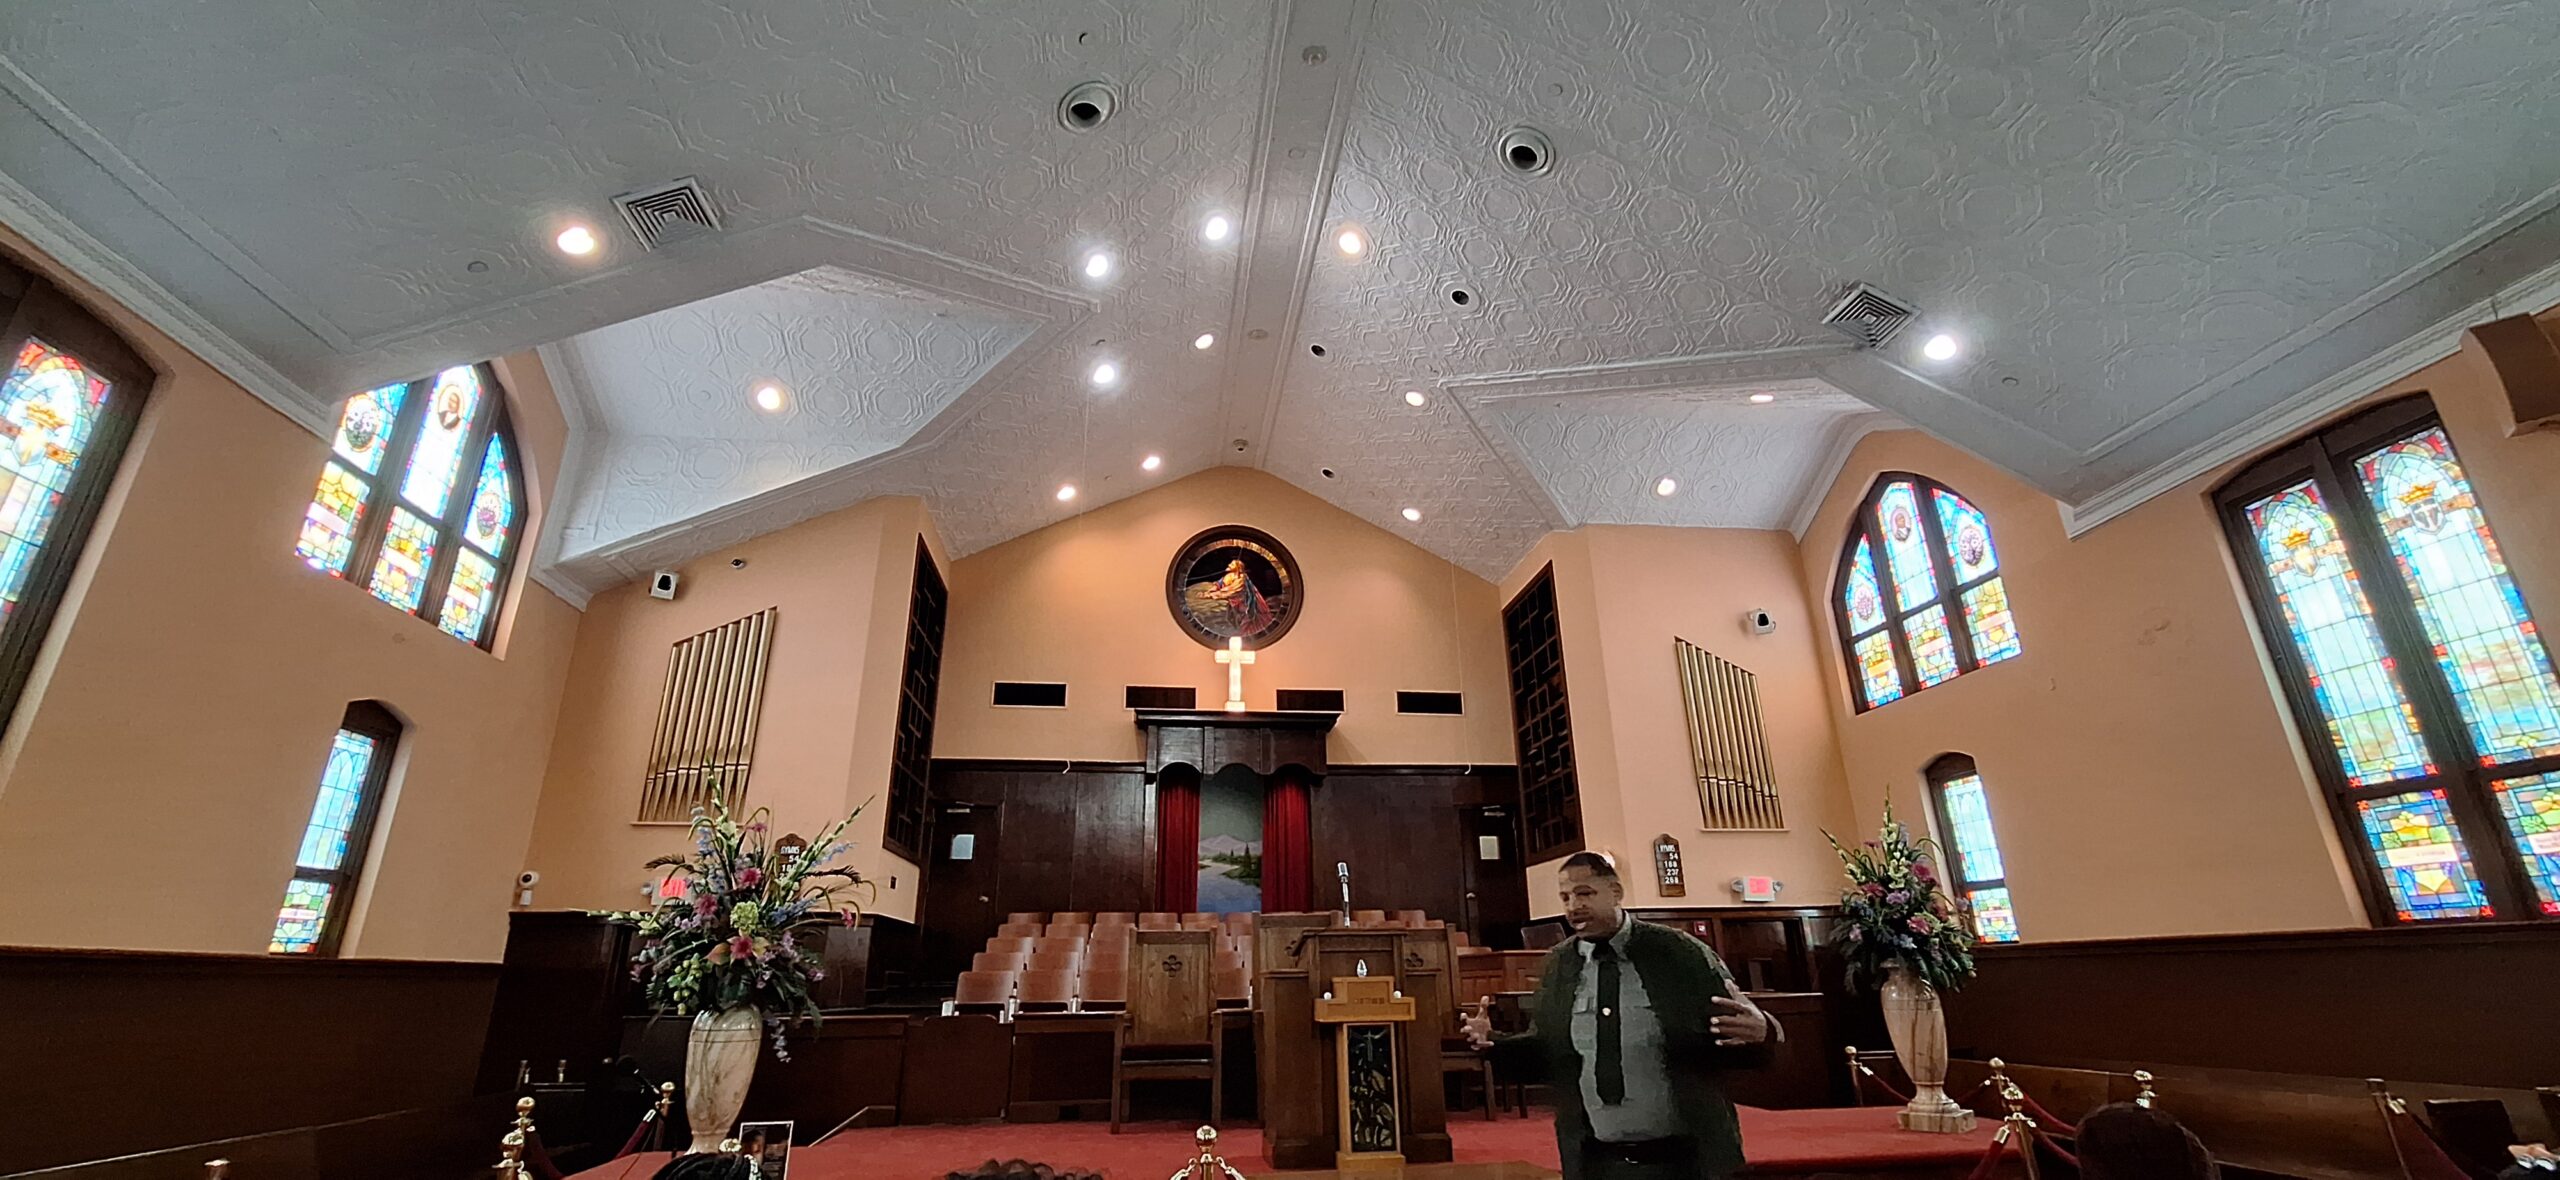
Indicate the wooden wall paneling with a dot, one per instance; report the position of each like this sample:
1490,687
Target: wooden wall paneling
1800,1073
1295,1110
1401,835
113,1053
957,1069
1040,843
563,987
1115,842
444,1142
838,1069
1060,1061
963,900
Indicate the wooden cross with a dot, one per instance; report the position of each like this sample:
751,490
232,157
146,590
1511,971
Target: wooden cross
1235,657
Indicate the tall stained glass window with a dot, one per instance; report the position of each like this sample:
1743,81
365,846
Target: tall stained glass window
331,854
420,502
1921,600
1974,869
2411,663
70,390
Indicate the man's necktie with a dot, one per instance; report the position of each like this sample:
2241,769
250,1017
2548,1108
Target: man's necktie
1611,1073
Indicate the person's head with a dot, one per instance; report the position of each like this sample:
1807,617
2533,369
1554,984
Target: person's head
1588,884
709,1165
2128,1142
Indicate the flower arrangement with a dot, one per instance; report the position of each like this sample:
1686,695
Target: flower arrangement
1896,912
722,932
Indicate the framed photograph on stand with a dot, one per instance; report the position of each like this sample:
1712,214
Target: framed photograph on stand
769,1145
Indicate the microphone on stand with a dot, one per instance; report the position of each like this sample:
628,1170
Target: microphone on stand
1342,872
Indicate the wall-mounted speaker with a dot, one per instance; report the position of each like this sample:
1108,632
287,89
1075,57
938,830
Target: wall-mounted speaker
662,584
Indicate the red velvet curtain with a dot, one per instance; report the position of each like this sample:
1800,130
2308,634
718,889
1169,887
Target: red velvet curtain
1287,884
1178,840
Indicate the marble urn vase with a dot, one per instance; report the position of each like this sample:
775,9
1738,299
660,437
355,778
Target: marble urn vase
719,1059
1918,1026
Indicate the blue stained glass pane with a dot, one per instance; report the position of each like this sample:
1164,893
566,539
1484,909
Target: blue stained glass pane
2485,642
2531,808
1969,825
1906,547
1861,597
1968,536
2424,863
364,427
493,508
324,839
1994,920
49,406
1933,651
452,406
298,923
2371,724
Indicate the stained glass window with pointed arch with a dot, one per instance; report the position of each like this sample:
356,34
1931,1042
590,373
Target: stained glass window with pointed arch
1975,872
2416,674
334,839
420,500
1921,597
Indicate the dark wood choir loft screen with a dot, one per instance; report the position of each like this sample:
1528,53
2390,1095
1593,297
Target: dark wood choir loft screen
707,713
919,687
1550,795
1728,751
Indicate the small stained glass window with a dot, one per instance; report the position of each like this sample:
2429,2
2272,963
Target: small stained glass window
2531,809
393,509
50,403
333,839
2371,723
1936,607
1973,865
2424,861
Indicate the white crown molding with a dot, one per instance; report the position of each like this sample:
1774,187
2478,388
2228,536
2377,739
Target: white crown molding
45,227
2299,413
1845,437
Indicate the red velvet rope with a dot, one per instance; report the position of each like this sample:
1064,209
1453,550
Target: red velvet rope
2045,1119
2056,1149
639,1134
1864,1075
1990,1160
539,1160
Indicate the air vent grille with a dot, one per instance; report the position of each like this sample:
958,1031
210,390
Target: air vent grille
1308,700
1030,694
1444,703
1869,316
1159,696
669,213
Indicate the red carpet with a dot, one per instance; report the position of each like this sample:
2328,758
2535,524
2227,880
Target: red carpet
1786,1140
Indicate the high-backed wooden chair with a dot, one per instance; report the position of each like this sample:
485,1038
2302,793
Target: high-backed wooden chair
1170,1030
1073,917
1012,942
1044,991
1019,930
1054,961
1159,921
1003,961
1058,942
1202,923
1122,918
1109,946
1030,917
983,991
1195,915
1103,991
1368,919
1234,988
1228,960
1413,919
1075,930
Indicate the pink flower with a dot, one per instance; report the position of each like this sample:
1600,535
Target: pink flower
1920,923
852,919
1874,890
742,947
1921,870
705,906
750,877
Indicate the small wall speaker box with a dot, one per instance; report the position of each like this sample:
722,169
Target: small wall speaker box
1759,622
662,584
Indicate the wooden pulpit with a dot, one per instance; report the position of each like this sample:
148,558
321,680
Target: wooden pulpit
1368,1076
1299,1054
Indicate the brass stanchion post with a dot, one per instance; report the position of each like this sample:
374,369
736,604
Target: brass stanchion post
2019,1126
2144,1099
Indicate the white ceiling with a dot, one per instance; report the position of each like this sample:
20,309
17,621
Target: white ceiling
2158,227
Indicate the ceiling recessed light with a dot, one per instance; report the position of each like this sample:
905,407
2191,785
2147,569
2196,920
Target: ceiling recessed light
1414,397
1204,340
1351,242
1941,347
1066,492
1413,514
1151,462
1106,373
1217,227
576,240
1665,486
1762,399
769,398
1097,265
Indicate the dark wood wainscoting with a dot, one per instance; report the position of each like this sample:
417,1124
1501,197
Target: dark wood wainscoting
1408,834
2466,1005
112,1053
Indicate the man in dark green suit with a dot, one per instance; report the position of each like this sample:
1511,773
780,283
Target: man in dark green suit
1634,1027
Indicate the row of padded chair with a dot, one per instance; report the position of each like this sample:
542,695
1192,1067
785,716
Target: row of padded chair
1197,920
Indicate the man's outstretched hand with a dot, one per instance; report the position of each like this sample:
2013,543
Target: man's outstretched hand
1737,1022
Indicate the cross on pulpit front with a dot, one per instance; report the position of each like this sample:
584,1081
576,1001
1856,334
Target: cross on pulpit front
1235,657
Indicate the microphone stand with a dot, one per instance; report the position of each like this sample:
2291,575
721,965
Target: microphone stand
1342,870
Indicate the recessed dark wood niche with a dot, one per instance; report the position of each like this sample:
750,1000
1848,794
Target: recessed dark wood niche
1208,740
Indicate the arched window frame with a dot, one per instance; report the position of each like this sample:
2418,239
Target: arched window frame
1868,526
2327,459
1962,879
32,309
373,520
368,721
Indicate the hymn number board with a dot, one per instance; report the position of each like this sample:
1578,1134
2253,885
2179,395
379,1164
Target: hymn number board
1668,875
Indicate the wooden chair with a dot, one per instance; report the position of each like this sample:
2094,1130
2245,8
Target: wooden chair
999,961
1019,930
1076,930
982,991
1368,919
1058,942
1414,919
1044,991
1072,918
1159,921
1170,1029
1012,942
1032,918
1103,991
1196,915
1205,924
1233,987
1054,961
1116,918
1228,960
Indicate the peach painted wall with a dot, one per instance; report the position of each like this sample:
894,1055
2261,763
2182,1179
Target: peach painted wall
2143,772
1082,601
841,582
155,781
1625,593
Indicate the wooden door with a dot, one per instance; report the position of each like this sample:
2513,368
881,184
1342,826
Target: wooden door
1497,898
963,902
